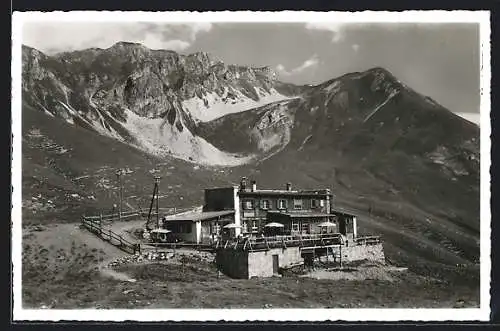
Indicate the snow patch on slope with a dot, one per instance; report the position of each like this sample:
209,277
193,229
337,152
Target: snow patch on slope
158,137
213,106
370,115
98,123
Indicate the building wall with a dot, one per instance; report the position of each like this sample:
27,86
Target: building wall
363,252
233,263
245,265
217,199
347,222
191,237
273,200
260,215
260,264
288,221
224,198
197,231
236,206
209,228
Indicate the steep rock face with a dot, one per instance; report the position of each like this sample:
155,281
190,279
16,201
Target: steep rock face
264,130
112,90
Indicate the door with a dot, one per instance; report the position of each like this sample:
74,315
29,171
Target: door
276,264
342,225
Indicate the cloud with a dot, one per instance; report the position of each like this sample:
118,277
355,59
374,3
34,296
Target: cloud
66,36
152,42
199,27
281,69
336,28
311,62
355,47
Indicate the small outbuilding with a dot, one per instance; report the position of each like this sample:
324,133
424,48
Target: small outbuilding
198,227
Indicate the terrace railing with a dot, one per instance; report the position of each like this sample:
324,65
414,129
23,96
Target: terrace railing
310,241
367,240
266,243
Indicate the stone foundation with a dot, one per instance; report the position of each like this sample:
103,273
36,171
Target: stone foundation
260,264
363,252
245,265
233,263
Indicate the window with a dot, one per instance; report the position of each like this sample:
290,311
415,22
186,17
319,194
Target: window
297,203
281,204
216,228
265,204
295,226
305,227
254,225
316,203
184,228
247,204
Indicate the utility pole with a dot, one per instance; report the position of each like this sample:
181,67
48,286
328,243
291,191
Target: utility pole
119,174
157,184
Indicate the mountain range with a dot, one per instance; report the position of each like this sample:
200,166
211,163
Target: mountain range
406,165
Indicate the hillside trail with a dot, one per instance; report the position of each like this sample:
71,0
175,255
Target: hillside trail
108,272
121,228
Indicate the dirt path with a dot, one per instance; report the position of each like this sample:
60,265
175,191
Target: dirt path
123,228
385,273
121,276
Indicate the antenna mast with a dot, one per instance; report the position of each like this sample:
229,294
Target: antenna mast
119,174
157,185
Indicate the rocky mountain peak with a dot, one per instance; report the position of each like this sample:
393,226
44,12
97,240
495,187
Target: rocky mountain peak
127,45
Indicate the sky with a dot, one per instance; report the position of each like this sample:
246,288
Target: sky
440,60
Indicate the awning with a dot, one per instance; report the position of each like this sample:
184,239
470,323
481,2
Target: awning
274,225
231,226
160,231
327,225
198,216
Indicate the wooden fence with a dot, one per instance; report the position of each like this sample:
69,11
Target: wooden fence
367,240
113,217
95,226
135,213
199,247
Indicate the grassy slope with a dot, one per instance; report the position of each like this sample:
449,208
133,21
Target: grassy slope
88,169
60,271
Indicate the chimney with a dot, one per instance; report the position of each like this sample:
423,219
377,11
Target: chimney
243,184
288,186
254,186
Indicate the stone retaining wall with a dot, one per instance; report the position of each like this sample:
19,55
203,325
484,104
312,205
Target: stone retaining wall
363,252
